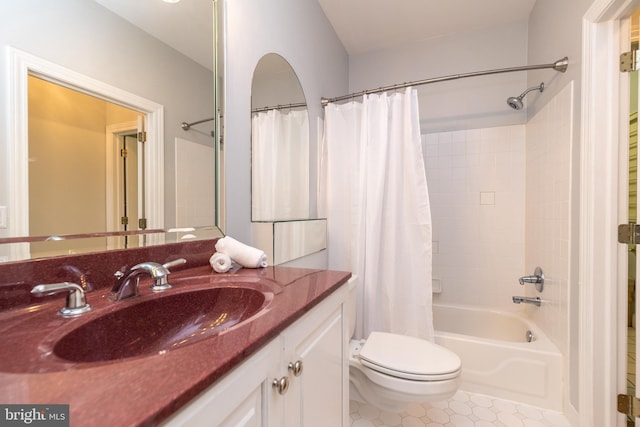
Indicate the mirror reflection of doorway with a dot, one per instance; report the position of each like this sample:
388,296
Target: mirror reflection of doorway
68,166
129,218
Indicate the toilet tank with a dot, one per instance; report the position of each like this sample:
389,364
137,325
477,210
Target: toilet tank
352,302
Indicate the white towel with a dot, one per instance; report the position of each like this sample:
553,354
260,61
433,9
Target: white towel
221,263
246,256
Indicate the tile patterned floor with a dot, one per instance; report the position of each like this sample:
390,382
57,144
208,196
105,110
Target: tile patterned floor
462,410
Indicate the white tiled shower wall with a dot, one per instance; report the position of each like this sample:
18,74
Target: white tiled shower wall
476,182
548,180
500,201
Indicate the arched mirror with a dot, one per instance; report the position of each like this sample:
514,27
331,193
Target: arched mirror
279,143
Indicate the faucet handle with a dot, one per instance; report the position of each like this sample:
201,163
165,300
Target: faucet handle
174,263
76,301
161,283
530,279
537,279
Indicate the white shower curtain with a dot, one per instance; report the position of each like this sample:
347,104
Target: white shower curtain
280,165
373,191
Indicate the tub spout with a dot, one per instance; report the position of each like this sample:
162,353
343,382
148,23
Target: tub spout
527,300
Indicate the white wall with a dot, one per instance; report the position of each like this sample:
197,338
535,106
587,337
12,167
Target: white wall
87,38
555,28
477,102
555,31
298,31
548,221
476,181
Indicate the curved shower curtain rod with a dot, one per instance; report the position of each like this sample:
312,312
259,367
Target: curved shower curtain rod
279,107
187,126
560,65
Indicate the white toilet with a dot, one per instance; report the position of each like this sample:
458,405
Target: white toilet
389,370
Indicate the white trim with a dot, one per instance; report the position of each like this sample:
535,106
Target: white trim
21,65
620,320
599,173
18,153
154,175
598,206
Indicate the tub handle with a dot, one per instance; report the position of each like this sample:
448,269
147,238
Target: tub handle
537,279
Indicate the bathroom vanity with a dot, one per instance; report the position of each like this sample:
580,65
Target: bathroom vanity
300,378
281,361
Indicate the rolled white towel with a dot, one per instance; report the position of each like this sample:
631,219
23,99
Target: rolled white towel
221,263
245,255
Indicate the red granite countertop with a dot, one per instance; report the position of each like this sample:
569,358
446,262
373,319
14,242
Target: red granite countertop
145,390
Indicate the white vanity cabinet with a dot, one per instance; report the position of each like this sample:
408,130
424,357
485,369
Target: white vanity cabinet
313,351
299,379
240,399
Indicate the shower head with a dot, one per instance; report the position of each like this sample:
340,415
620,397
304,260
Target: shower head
515,102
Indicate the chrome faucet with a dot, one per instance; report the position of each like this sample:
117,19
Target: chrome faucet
127,283
530,279
537,278
527,300
76,300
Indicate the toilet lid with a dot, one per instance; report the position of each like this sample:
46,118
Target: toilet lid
409,357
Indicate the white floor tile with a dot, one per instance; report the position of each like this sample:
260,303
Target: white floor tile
462,410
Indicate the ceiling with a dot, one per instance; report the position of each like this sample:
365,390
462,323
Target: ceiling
361,25
368,25
186,26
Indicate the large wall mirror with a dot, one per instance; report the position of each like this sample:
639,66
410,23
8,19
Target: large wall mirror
279,143
75,157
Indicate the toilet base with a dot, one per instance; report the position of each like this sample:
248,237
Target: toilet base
362,389
360,392
372,388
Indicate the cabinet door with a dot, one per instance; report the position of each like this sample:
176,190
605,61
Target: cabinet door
316,396
248,414
243,398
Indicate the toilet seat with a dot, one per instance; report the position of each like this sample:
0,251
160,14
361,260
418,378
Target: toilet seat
409,358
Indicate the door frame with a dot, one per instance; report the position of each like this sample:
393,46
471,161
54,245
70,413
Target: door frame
113,186
602,261
21,65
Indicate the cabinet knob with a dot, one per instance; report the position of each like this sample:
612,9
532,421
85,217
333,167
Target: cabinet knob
296,368
281,385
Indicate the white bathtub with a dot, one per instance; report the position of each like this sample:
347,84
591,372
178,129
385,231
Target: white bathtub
496,358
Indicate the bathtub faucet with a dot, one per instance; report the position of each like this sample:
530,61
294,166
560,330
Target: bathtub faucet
537,278
527,300
530,279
